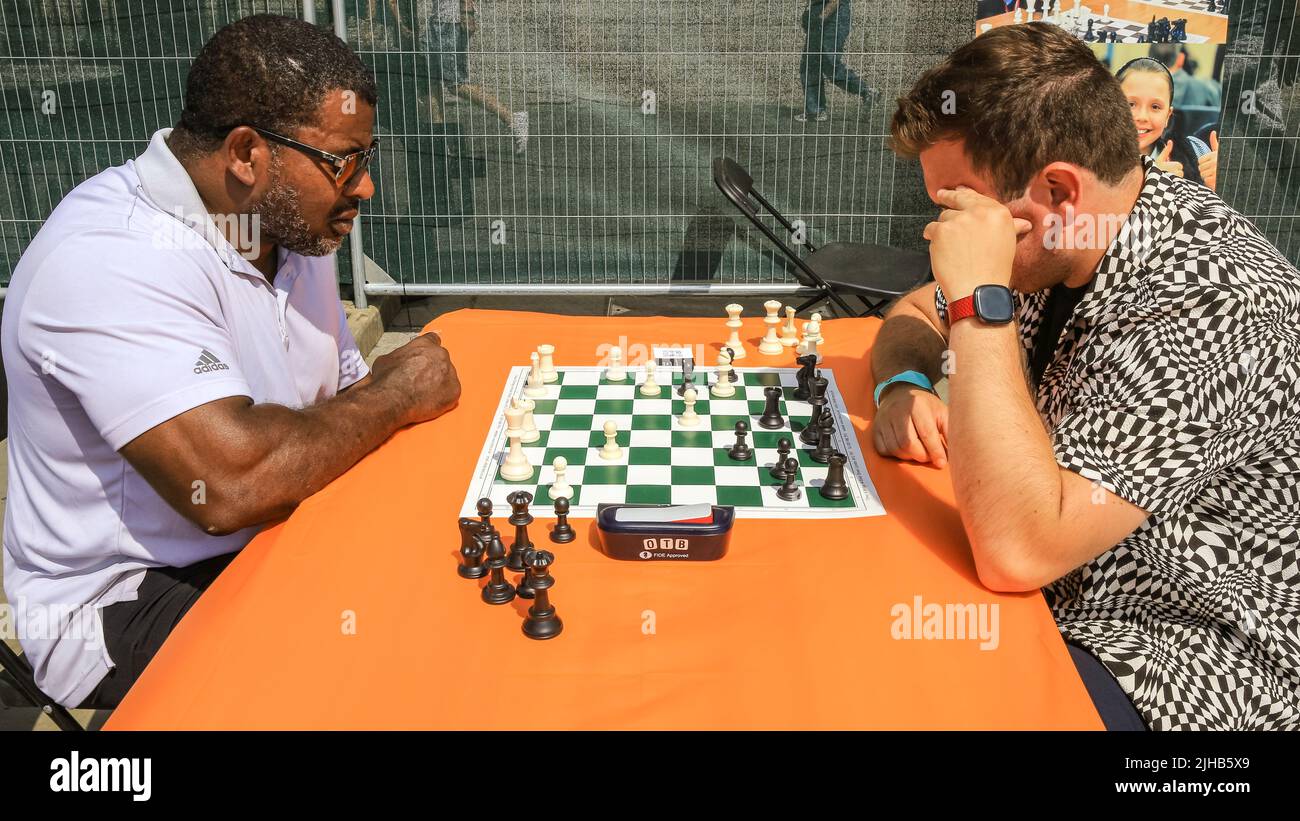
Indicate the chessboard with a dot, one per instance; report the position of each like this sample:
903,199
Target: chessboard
1198,6
1128,30
663,462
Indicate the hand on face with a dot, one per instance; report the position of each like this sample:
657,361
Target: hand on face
973,242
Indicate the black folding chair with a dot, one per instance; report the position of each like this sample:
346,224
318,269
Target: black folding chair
875,274
20,673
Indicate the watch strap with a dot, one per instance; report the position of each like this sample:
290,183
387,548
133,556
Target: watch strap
911,377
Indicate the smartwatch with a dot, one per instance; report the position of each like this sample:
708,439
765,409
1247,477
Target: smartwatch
911,377
992,304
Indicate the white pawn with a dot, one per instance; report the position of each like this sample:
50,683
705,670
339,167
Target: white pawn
650,387
516,467
530,431
1020,14
771,344
723,387
611,451
810,337
547,354
789,334
817,328
616,372
536,387
689,417
560,488
734,324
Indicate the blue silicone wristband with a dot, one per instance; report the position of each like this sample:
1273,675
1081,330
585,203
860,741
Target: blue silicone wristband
911,377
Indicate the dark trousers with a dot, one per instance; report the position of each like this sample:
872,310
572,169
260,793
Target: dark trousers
1113,705
822,55
134,630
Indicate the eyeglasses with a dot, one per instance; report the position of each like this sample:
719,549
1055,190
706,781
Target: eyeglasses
346,168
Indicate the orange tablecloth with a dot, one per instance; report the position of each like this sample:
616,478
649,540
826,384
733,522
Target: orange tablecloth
791,630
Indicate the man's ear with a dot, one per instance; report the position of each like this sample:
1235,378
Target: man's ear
1064,185
244,152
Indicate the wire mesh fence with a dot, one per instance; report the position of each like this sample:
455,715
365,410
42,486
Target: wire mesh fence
624,104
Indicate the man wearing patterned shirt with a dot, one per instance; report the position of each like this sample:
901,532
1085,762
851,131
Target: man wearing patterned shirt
1123,356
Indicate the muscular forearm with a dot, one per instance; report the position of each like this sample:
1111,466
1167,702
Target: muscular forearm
907,342
279,456
1004,473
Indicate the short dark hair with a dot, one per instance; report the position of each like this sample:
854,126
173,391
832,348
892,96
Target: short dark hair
1020,97
1166,53
265,70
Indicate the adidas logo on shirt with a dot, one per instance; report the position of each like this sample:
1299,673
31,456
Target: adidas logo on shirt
208,362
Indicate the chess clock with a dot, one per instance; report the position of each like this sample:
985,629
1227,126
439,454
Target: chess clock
648,533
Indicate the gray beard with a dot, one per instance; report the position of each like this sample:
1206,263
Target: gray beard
282,221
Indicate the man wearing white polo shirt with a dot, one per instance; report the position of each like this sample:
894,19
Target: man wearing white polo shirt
180,369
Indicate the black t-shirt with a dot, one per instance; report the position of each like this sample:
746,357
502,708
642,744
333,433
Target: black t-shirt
1056,313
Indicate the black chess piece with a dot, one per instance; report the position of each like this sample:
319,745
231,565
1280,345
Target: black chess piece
806,366
790,490
771,418
521,519
1180,30
498,590
783,448
741,451
525,588
1142,38
825,433
817,398
563,532
1212,9
1088,36
688,377
484,508
542,623
835,488
471,552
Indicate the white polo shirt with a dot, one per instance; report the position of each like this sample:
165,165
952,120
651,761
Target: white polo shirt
128,308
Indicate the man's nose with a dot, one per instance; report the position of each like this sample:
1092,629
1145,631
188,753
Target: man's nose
362,187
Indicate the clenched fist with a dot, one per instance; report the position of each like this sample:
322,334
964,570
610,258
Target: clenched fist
911,423
420,372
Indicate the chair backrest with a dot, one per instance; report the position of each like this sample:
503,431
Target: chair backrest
737,185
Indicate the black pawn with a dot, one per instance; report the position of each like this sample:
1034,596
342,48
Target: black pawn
806,366
825,432
498,590
563,532
741,451
688,377
542,623
817,398
471,552
835,488
790,490
525,588
771,418
521,519
783,448
732,376
484,508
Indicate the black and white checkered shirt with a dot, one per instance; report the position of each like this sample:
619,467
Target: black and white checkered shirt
1176,386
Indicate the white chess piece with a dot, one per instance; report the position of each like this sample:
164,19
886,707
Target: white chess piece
1105,13
536,387
531,433
817,329
616,372
771,344
811,334
547,354
734,324
650,387
689,417
985,27
611,450
560,488
723,387
1019,16
789,334
516,467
